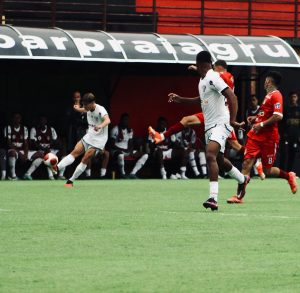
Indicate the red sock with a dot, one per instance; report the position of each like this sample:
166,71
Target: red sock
283,174
173,129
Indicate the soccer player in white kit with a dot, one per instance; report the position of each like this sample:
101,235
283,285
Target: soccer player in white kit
93,142
214,95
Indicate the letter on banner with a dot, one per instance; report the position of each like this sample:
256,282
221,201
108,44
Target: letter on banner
281,51
116,45
145,47
8,42
190,48
224,51
247,49
59,42
33,42
86,46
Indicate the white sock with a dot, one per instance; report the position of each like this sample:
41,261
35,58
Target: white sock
50,173
140,163
121,163
163,173
237,175
214,190
202,161
66,161
34,165
3,174
102,172
12,166
88,172
193,163
182,170
78,171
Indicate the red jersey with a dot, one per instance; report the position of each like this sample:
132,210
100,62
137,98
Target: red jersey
17,136
272,104
228,78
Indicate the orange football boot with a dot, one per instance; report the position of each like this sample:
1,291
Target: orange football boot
155,135
234,199
260,171
293,182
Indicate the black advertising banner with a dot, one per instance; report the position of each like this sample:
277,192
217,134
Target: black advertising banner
58,44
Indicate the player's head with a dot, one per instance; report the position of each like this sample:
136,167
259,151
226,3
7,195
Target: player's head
88,101
203,62
273,79
220,66
42,120
253,101
161,124
124,120
293,98
76,97
16,119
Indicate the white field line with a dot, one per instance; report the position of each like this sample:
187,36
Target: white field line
3,210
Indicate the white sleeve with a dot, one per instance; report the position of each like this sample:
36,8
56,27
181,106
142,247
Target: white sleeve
131,134
114,132
103,111
25,132
33,134
7,132
216,82
53,134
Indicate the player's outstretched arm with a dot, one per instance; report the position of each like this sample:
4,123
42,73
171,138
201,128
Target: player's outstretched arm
174,98
105,122
232,104
273,119
79,109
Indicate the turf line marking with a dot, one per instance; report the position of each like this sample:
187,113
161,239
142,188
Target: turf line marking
3,210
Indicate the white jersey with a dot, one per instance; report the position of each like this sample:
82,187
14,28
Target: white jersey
126,136
98,138
213,103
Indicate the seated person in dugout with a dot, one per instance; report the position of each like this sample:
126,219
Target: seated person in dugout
187,139
167,150
122,146
2,157
16,136
43,140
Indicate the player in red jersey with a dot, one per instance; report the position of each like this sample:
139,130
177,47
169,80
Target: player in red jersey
263,138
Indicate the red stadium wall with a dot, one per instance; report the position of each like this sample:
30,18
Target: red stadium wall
224,17
145,99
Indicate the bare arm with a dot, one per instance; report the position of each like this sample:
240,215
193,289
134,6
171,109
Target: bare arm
174,98
104,123
273,119
77,108
232,104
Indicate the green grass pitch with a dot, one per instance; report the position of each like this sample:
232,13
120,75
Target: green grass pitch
147,236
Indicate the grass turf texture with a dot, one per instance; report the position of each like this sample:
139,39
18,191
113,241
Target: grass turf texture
147,236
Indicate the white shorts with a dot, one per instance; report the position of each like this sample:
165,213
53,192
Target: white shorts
88,146
167,155
219,134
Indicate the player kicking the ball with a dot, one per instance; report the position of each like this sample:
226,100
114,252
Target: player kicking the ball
93,142
263,138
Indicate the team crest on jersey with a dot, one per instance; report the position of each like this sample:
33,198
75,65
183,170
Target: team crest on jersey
211,82
277,106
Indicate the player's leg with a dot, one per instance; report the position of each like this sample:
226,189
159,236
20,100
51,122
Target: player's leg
159,158
12,159
3,163
175,128
268,158
81,166
37,159
104,163
141,160
192,162
180,156
70,158
212,150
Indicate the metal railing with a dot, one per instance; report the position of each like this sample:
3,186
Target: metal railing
244,17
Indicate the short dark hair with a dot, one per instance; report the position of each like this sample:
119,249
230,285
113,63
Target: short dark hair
204,57
276,77
221,63
88,98
293,93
